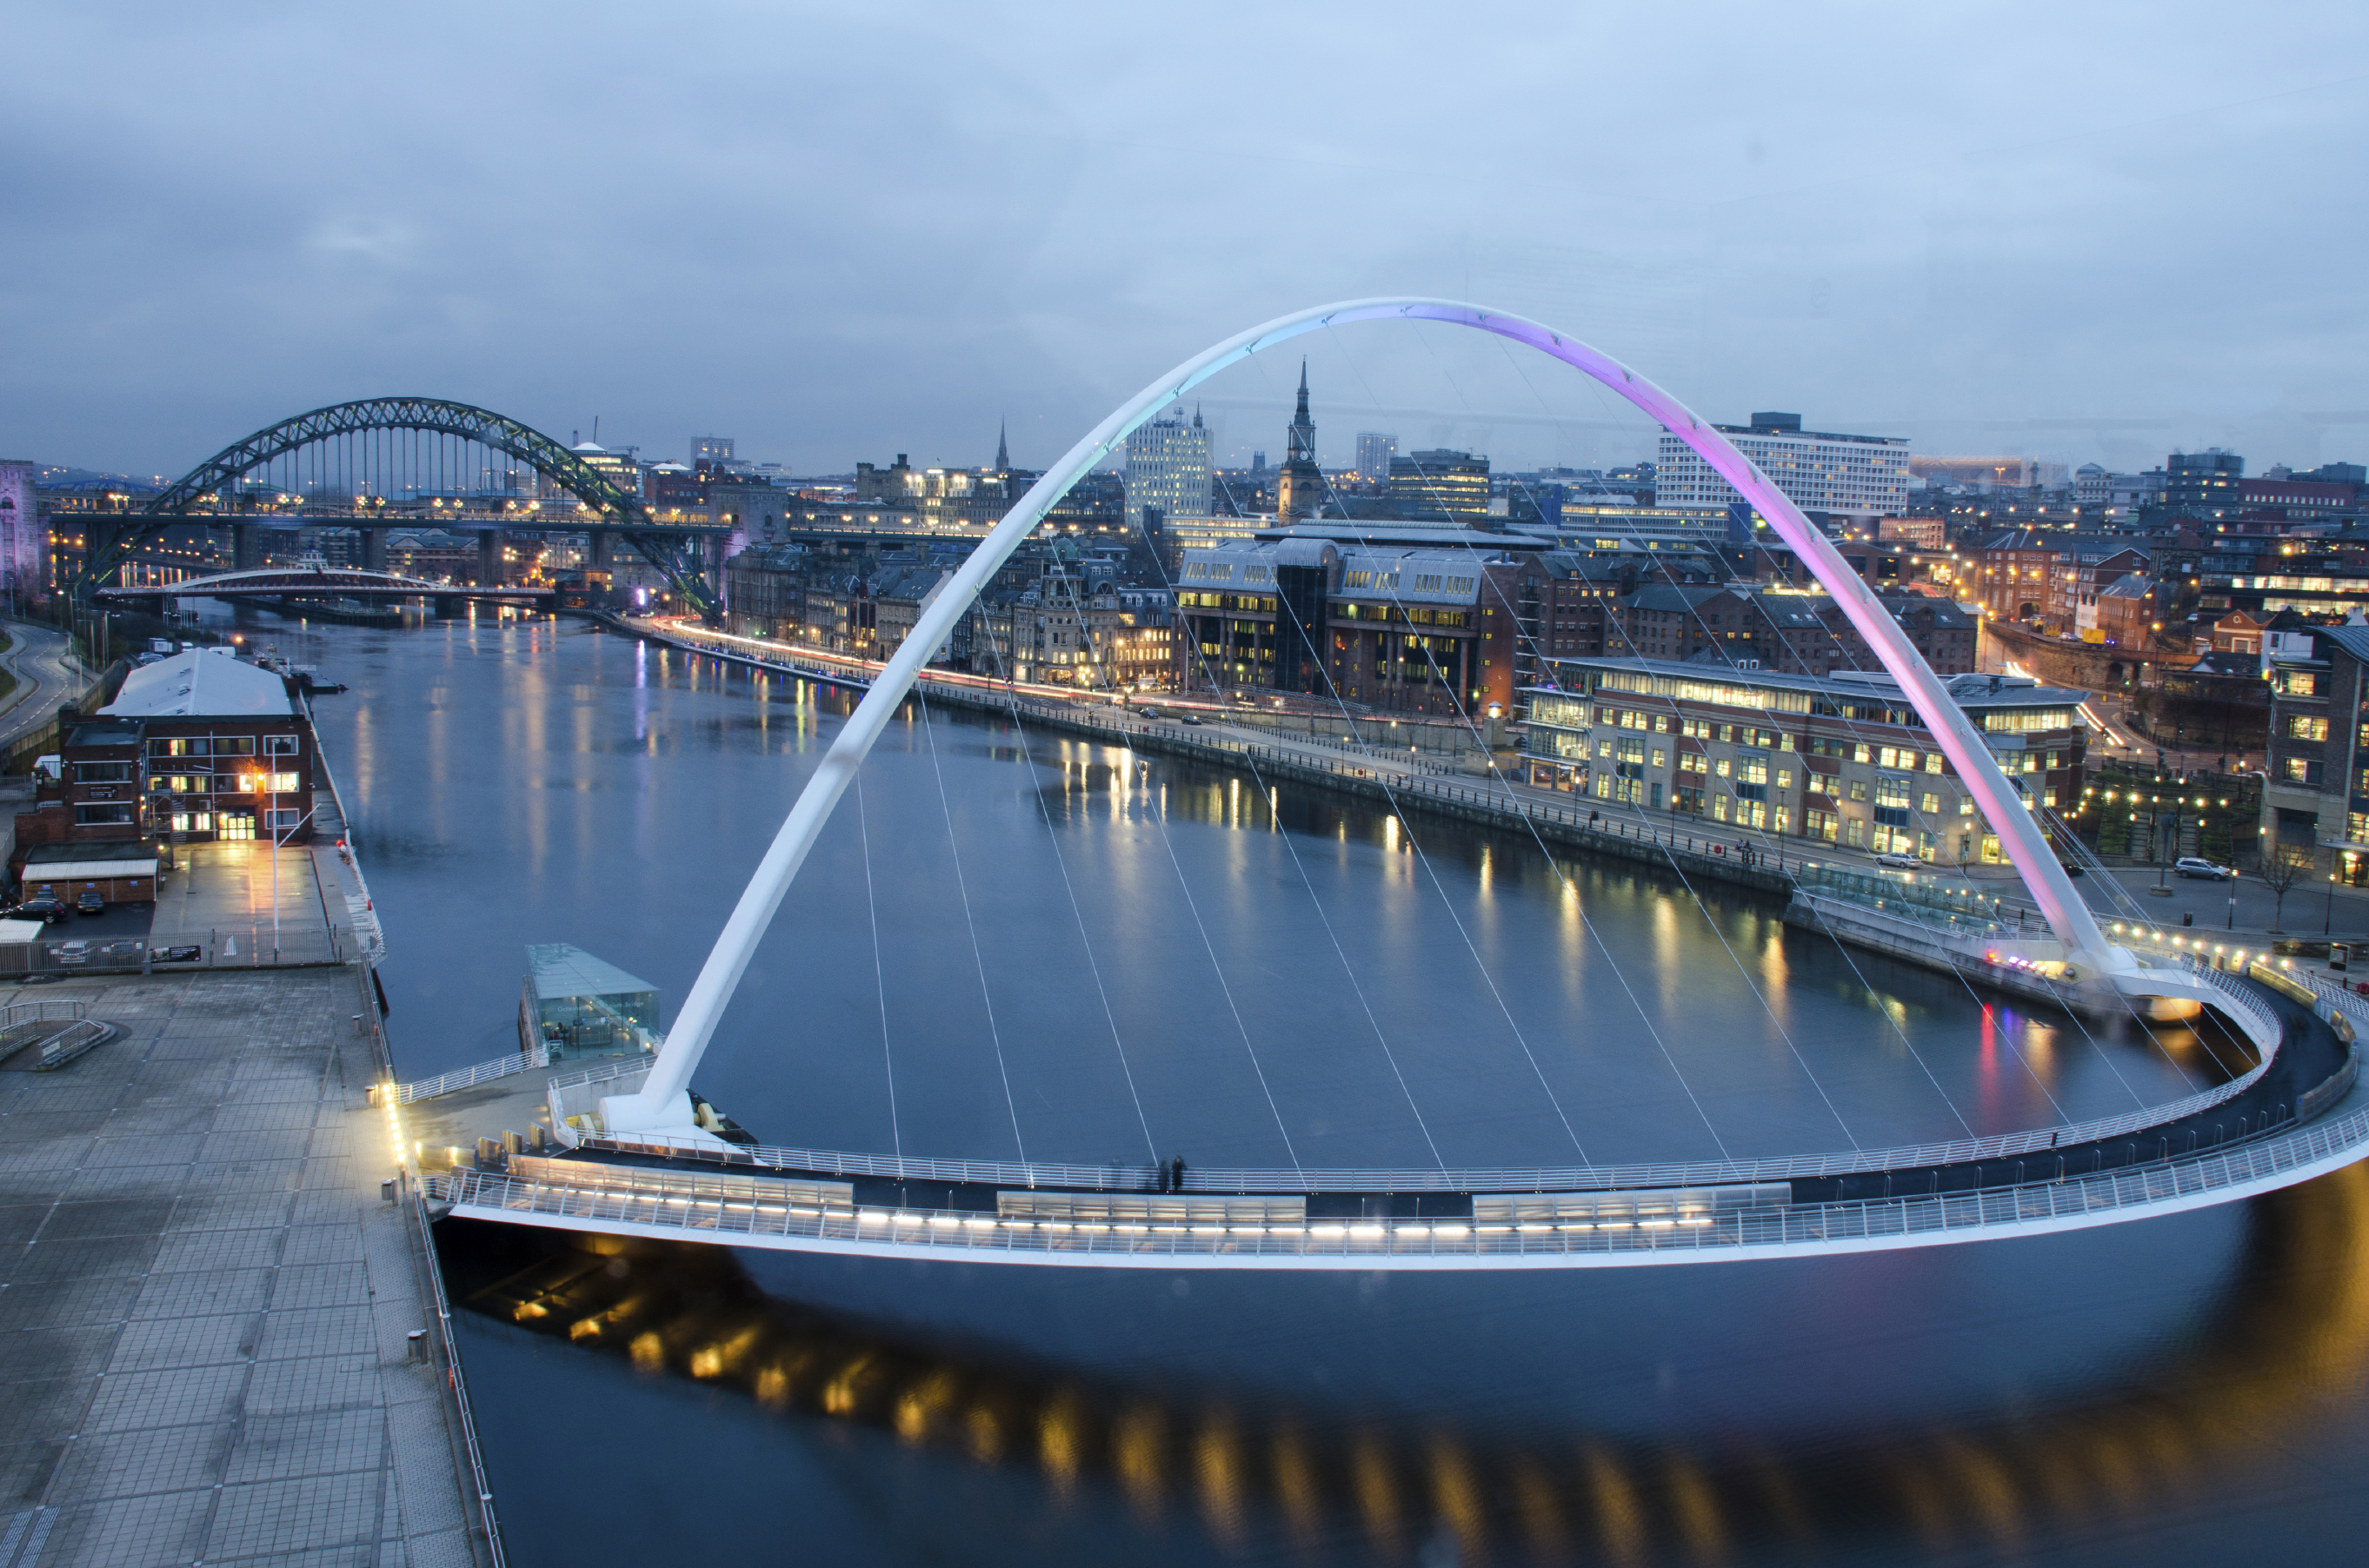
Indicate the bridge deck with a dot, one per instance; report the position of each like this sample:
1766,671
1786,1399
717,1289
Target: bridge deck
672,1206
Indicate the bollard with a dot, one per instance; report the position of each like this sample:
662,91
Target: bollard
512,1144
386,1190
414,1345
489,1153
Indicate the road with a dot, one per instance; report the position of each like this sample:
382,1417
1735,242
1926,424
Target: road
47,673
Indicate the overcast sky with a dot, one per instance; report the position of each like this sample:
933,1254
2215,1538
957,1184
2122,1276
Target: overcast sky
2076,231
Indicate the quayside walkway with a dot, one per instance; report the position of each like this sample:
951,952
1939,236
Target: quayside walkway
208,1309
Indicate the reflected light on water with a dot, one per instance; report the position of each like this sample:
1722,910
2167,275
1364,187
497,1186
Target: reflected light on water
2290,1331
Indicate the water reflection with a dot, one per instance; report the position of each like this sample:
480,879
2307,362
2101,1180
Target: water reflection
2206,1410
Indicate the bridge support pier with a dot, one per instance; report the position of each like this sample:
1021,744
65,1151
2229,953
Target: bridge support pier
245,546
373,549
603,544
447,607
489,557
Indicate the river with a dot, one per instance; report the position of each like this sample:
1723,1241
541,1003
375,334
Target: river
1017,943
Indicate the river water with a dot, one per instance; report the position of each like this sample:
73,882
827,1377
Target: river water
1017,943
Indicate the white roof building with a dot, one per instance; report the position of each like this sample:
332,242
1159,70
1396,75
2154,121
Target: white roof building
203,683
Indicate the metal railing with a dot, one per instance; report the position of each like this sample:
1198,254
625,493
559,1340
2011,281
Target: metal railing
2270,1162
71,1042
466,1077
216,948
17,1014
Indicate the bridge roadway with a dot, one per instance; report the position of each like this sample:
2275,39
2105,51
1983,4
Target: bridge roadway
2261,1137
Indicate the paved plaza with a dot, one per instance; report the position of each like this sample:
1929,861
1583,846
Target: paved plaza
204,1301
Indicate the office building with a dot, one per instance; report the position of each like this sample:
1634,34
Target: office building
1825,474
2202,484
1842,759
1440,482
1168,473
1375,451
2315,807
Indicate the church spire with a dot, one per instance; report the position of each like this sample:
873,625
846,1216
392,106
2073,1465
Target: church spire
1002,452
1301,490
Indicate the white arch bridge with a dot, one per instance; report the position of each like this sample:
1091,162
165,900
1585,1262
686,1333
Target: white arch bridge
2292,1117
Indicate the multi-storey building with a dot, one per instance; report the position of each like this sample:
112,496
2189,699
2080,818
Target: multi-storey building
1168,473
1827,475
2012,572
1844,760
1407,629
1438,483
1375,451
2079,573
1801,633
2201,484
2316,806
199,746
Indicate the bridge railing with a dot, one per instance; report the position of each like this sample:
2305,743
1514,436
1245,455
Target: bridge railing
2183,1182
468,1077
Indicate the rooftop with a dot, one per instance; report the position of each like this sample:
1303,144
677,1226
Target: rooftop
201,683
1974,693
563,970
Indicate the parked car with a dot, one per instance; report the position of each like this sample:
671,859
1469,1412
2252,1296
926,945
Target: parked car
90,903
188,954
1898,862
73,952
46,908
2196,865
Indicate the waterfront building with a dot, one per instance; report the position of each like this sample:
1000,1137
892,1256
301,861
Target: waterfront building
1827,475
765,588
199,745
2316,804
713,451
1844,760
1375,451
1168,474
1413,630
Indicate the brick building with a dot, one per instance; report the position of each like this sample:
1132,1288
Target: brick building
200,745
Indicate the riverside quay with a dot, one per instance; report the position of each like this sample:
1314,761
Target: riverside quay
1842,759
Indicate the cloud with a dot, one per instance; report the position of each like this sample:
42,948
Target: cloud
836,233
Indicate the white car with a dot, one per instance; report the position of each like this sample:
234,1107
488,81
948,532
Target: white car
1899,861
2195,866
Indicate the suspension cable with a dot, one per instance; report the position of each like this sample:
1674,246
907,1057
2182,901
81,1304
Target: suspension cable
1852,727
971,925
879,972
1078,913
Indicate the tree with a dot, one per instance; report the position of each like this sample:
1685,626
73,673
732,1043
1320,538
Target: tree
2283,867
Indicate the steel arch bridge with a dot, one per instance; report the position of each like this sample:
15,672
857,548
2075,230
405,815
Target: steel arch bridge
674,549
